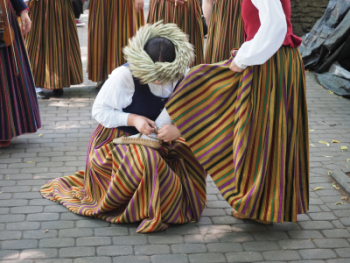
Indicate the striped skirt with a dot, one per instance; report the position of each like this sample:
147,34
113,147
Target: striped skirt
129,183
111,24
250,133
188,17
19,109
225,31
53,45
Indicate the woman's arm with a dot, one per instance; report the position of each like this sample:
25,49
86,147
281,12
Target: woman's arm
269,37
115,95
208,9
19,6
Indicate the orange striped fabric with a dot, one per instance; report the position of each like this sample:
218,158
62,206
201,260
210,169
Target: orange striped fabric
53,45
225,31
250,133
130,183
188,17
111,24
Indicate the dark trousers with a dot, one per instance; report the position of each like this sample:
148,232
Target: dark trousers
77,8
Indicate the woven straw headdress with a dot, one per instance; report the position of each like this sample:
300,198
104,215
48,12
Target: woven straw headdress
143,67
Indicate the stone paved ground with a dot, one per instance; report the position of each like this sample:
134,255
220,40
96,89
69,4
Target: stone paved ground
33,229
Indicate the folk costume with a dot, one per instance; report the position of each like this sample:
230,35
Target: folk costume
19,110
111,24
53,45
131,183
188,18
225,31
249,130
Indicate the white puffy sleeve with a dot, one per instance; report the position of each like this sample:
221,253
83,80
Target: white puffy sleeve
115,95
268,39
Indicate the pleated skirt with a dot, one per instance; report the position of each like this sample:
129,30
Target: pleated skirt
19,109
225,32
188,18
250,133
130,183
53,45
111,24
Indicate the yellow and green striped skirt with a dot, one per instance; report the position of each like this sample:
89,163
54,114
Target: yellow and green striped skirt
111,24
132,183
188,17
250,132
225,32
53,45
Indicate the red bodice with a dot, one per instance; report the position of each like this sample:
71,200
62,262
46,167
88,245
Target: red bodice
250,15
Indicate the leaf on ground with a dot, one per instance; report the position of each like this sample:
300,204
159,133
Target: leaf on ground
41,135
30,162
330,172
344,148
318,188
313,145
323,142
311,130
339,203
46,230
7,178
344,198
335,141
331,92
348,160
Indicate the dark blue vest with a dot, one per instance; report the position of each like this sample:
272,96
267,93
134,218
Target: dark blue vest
144,103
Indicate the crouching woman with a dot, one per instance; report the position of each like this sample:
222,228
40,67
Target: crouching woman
125,183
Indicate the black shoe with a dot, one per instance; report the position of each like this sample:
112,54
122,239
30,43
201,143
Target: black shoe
99,84
42,95
57,92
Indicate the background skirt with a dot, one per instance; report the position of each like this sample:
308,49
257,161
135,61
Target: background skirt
225,31
111,24
250,133
129,183
53,45
19,110
188,17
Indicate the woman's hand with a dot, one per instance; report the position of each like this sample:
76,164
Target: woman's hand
235,68
139,5
169,133
26,23
142,124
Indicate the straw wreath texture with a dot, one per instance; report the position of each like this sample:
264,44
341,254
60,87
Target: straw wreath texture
142,66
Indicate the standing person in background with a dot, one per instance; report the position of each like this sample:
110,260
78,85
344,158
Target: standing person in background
53,47
78,10
225,29
188,17
246,119
19,110
111,24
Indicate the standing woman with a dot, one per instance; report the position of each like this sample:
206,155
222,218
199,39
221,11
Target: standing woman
246,119
188,17
53,46
111,24
225,31
19,111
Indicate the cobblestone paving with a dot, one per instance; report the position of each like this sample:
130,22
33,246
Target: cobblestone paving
33,229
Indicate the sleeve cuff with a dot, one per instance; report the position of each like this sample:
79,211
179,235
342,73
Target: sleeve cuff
123,118
239,64
26,9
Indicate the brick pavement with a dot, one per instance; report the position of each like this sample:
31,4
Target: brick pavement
33,229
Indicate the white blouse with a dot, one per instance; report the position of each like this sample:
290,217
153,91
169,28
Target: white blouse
269,37
116,94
